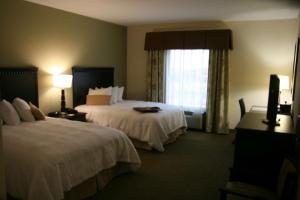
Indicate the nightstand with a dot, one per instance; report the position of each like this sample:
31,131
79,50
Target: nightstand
79,116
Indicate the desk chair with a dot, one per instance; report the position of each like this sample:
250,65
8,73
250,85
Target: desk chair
242,107
285,190
243,112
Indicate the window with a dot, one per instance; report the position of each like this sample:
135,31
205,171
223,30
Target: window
186,79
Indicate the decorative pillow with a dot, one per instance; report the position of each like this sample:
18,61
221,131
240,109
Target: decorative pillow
8,113
120,94
23,109
115,94
98,100
37,113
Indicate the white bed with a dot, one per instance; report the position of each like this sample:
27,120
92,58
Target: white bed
44,159
152,129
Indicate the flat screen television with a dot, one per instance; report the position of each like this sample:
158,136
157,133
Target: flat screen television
273,101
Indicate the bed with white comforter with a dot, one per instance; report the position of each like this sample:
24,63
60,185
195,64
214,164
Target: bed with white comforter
46,158
154,129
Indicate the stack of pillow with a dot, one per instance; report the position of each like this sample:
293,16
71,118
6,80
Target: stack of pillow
105,96
19,110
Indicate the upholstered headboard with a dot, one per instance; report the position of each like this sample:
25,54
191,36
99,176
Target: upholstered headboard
19,82
89,77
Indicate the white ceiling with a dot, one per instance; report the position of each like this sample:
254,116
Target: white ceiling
137,12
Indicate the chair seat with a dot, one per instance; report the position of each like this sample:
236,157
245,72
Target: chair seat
285,190
249,191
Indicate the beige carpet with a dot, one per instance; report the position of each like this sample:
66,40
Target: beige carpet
193,167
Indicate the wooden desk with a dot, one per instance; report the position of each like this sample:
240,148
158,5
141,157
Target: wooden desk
260,149
252,121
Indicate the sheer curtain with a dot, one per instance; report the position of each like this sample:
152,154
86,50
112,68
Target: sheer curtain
186,79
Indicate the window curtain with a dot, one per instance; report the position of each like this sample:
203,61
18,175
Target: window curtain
186,79
156,75
217,92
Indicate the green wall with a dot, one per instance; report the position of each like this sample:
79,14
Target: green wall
54,41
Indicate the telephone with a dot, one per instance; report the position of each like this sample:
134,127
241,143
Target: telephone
60,114
54,114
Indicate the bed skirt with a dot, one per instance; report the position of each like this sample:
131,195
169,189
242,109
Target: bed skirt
172,138
96,183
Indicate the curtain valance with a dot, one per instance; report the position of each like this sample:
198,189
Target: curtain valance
202,39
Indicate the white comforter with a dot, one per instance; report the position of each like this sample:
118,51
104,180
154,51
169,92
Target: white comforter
45,158
152,128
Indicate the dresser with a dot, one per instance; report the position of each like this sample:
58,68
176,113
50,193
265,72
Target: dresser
260,149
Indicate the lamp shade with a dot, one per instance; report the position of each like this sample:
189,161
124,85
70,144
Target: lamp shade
284,82
62,81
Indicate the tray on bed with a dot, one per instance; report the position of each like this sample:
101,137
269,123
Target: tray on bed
147,109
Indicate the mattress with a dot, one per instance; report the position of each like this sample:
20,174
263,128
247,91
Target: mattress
43,159
151,128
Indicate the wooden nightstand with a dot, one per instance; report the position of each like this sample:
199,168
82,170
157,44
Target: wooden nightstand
79,116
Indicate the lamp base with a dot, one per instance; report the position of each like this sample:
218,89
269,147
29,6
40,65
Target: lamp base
63,102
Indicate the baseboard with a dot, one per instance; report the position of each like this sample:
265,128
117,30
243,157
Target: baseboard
196,129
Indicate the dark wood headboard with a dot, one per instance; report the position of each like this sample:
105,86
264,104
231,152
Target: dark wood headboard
89,77
19,82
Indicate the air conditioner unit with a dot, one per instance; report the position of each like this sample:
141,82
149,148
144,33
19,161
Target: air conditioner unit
194,120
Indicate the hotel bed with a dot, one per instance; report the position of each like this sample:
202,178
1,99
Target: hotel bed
146,130
57,158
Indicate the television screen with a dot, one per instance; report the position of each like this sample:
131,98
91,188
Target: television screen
273,99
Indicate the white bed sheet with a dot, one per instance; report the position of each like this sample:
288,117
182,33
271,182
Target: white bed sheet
45,158
152,128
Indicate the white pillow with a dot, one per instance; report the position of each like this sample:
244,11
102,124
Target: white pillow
106,91
8,113
91,91
120,94
102,91
115,94
23,109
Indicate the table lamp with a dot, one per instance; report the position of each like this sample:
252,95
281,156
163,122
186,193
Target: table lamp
284,82
283,86
62,81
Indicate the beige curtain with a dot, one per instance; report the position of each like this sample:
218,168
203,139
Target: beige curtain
217,92
156,75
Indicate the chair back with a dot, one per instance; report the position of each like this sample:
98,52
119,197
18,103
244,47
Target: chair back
242,107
